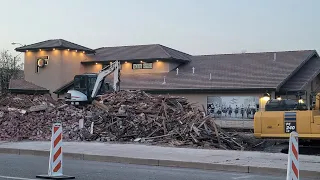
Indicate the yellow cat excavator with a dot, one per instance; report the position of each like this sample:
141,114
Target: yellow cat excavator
281,117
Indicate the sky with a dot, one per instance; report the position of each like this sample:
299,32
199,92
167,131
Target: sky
193,26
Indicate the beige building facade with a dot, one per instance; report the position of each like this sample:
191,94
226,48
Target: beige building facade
216,82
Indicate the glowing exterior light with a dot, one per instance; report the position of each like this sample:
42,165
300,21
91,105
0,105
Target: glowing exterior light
266,96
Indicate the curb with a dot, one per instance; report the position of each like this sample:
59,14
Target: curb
163,163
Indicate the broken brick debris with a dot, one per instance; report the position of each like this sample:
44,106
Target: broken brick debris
124,116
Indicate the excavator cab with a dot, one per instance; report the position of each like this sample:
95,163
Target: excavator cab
281,117
285,105
88,86
85,83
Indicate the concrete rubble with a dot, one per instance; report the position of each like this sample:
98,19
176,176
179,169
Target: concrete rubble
120,117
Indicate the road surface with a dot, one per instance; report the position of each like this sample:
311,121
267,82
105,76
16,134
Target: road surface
27,167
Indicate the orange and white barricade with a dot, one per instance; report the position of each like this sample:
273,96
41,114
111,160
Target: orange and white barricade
293,157
55,159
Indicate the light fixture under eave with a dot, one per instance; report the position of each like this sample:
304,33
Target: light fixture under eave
83,52
27,50
279,98
54,49
76,50
40,50
126,62
96,63
266,95
157,60
68,49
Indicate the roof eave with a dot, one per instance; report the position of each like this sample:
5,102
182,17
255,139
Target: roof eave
64,87
297,69
29,91
24,49
210,90
137,60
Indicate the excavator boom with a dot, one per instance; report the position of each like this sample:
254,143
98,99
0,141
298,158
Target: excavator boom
114,67
84,91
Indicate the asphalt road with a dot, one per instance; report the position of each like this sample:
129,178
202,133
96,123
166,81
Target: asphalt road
27,167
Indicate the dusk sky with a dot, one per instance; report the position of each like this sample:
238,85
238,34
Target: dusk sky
192,26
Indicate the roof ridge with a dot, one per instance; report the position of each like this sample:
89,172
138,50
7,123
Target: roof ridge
35,43
175,50
258,52
60,42
167,53
135,45
75,44
297,68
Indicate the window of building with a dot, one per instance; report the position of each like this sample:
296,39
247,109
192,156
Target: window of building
142,65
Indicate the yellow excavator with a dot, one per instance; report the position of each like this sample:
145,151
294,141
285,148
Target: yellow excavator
282,116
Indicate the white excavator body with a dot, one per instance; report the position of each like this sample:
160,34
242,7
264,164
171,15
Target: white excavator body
88,86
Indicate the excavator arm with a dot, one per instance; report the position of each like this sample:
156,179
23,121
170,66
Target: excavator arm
114,67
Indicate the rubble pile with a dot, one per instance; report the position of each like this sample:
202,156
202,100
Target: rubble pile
30,117
123,116
140,117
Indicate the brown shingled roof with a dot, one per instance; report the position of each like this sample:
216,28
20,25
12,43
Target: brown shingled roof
139,52
22,85
266,70
228,71
301,79
54,43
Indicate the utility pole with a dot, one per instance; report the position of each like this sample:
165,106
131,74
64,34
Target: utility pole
14,59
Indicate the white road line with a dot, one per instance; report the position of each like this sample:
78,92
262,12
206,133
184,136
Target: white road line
242,177
18,178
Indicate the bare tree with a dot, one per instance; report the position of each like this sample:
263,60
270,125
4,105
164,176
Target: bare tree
10,67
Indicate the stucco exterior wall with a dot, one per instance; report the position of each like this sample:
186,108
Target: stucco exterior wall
71,65
126,68
48,77
61,68
93,68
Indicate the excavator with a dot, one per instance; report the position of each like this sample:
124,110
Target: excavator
88,86
283,116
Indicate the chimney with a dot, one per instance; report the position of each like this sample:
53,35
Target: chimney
193,70
164,80
177,71
274,56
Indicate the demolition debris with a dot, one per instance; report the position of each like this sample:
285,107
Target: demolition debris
124,116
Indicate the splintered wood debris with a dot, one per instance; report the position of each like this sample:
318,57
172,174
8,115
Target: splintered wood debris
124,116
